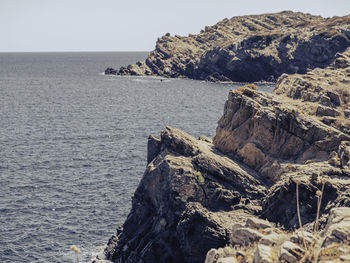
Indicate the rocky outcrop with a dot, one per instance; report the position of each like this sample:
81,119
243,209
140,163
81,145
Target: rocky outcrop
185,203
326,90
268,244
248,48
234,198
197,195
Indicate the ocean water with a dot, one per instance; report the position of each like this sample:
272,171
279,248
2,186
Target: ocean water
73,146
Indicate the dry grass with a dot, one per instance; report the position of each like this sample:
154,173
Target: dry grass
76,251
249,86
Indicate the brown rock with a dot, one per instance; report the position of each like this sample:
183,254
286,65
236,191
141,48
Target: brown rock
250,48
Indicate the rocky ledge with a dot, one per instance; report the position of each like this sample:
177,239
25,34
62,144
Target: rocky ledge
234,198
248,48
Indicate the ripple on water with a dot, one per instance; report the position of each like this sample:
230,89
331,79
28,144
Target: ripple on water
73,146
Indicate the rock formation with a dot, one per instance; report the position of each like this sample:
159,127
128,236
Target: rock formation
248,48
271,244
233,198
239,189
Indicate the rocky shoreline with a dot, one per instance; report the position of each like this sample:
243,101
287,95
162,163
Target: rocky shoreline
235,198
247,49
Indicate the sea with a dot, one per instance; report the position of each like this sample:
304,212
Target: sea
73,146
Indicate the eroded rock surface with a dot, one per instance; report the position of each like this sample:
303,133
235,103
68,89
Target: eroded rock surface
248,48
192,198
185,203
233,198
239,189
330,245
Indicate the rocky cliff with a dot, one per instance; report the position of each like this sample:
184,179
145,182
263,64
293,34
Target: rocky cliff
234,198
248,48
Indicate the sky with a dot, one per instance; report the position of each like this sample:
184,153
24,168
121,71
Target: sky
128,25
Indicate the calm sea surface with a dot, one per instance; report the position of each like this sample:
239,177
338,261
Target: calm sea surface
73,146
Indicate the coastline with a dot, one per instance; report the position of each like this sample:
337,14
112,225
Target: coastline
237,197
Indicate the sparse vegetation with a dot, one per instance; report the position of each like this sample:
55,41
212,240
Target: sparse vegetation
76,251
248,86
297,182
319,195
199,177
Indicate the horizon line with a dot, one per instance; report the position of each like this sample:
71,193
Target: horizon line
75,51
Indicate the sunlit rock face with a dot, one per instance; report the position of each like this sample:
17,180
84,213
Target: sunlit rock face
233,198
248,48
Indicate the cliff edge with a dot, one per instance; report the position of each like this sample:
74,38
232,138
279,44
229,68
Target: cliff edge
234,198
248,48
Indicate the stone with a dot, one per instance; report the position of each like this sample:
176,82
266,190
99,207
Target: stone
345,258
299,236
271,239
227,260
245,236
327,111
220,255
211,256
258,223
153,148
262,254
337,229
335,98
110,71
290,252
344,153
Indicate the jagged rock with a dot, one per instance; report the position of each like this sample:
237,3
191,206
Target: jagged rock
100,257
203,193
327,111
290,252
249,48
245,236
331,244
202,228
271,239
329,86
257,223
111,71
262,254
280,202
199,186
299,236
223,255
153,148
344,153
227,260
337,229
212,255
239,188
260,129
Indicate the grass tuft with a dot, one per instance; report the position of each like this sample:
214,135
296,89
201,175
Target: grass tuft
76,251
297,182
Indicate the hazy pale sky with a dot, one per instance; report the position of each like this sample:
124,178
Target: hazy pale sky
128,25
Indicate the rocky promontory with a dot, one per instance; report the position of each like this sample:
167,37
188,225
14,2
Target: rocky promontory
248,48
273,185
235,198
